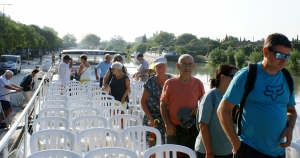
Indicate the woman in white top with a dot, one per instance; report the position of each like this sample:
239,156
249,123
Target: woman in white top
84,69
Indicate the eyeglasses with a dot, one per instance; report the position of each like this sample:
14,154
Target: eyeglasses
230,75
186,64
280,55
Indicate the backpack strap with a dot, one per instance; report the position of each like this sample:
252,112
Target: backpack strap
289,80
251,78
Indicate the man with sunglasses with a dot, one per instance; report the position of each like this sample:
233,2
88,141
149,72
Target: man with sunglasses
269,114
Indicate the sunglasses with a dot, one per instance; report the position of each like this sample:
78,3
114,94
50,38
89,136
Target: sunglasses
281,56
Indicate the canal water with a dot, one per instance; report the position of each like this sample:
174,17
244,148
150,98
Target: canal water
203,72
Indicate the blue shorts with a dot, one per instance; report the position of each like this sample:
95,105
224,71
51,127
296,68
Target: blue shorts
5,104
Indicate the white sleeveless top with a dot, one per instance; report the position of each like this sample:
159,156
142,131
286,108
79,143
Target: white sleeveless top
86,73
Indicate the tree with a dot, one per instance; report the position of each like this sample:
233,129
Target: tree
239,58
128,47
256,57
109,47
165,39
91,40
118,42
69,41
142,47
185,39
144,39
230,56
46,28
294,63
181,50
217,56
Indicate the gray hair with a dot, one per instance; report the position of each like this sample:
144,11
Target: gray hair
117,66
106,55
185,56
8,72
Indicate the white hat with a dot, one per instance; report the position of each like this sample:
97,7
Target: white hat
160,60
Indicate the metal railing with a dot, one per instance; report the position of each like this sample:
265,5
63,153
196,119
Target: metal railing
34,103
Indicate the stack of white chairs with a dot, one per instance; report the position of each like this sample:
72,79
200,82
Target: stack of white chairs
76,93
82,111
79,103
55,111
52,122
110,111
80,97
56,98
120,122
56,92
52,104
111,152
104,103
135,97
51,153
98,98
134,138
86,122
94,92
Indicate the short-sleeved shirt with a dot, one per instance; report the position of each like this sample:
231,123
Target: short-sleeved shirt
143,66
3,90
208,114
103,67
265,111
64,72
178,94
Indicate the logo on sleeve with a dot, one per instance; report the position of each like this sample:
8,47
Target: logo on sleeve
274,91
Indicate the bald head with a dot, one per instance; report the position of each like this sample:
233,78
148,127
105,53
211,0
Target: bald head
185,56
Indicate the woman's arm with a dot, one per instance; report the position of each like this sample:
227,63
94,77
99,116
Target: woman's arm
206,138
105,79
79,71
146,109
126,91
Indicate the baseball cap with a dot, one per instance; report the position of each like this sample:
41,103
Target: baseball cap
186,121
140,55
160,60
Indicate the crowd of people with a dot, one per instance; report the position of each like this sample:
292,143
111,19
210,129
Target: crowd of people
184,114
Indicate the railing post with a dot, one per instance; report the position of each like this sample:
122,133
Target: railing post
26,135
5,151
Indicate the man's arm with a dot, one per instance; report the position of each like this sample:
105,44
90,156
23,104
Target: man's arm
71,63
170,127
13,87
224,113
96,74
288,132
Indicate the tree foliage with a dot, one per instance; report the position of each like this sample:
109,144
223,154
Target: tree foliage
185,39
91,40
217,56
165,39
256,57
69,41
239,58
293,65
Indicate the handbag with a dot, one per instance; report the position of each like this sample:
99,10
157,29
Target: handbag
77,77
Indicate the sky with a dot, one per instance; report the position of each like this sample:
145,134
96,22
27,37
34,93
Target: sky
249,19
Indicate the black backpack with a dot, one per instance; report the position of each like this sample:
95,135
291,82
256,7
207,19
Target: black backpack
251,78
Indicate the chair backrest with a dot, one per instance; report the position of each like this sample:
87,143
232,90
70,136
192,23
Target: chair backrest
73,83
54,122
293,151
54,153
94,92
103,103
162,151
85,122
111,152
56,92
48,112
54,104
120,122
76,93
110,111
80,97
75,88
94,138
57,98
93,88
53,139
134,138
79,103
98,98
91,84
56,89
59,84
83,111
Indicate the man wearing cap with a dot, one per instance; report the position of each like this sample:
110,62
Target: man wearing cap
179,92
64,69
142,69
103,66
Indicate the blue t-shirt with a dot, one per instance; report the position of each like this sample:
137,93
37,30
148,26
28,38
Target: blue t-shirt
103,67
207,113
265,111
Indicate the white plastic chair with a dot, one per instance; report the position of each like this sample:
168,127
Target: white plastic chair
80,97
48,112
56,98
82,111
76,93
75,88
160,150
104,103
293,151
54,122
90,89
94,138
56,89
54,104
56,92
134,138
53,139
54,153
91,84
95,92
79,103
98,98
73,83
119,122
111,152
296,132
110,111
85,122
